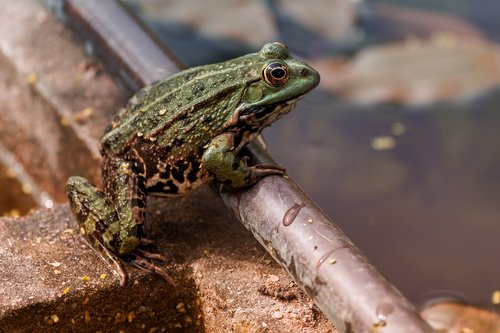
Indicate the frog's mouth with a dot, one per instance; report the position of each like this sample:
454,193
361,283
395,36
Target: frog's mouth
258,116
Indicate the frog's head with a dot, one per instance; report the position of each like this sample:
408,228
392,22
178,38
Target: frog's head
283,80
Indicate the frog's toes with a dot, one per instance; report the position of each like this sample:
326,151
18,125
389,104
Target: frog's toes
272,168
146,242
145,264
151,255
261,170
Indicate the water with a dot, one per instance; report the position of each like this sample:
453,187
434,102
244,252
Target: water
426,209
425,212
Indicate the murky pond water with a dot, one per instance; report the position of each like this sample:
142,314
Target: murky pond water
417,189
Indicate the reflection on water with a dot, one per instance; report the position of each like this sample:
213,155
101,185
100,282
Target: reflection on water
482,13
426,211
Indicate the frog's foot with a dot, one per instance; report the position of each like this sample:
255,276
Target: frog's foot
147,242
261,170
151,255
143,263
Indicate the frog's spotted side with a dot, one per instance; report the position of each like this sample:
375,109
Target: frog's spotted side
180,133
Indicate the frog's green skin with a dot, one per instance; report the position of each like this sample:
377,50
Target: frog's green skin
182,132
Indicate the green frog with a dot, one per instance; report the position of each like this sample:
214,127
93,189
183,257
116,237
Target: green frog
180,133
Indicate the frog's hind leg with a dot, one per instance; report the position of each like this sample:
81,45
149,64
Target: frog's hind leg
95,215
126,186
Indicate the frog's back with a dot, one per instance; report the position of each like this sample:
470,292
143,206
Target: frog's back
195,103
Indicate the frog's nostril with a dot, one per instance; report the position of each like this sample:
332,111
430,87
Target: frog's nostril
303,71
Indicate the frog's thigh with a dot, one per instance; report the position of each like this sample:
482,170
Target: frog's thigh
220,159
96,215
125,186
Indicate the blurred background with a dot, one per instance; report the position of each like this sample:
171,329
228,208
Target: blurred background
400,142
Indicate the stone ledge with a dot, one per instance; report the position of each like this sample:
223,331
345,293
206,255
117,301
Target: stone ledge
52,279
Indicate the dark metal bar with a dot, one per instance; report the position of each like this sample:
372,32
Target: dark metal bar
127,47
321,259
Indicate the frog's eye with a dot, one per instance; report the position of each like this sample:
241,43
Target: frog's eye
275,74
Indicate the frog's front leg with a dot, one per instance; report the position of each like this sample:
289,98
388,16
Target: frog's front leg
220,160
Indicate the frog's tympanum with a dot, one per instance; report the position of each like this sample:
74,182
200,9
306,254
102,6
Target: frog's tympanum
178,134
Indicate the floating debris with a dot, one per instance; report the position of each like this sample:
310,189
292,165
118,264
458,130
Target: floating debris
398,128
383,143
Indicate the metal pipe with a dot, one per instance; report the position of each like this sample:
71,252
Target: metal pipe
315,252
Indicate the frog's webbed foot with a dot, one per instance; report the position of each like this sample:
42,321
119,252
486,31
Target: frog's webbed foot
142,260
143,263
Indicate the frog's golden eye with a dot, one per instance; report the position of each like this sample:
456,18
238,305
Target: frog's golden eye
275,74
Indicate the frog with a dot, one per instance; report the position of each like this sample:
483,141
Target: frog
180,133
